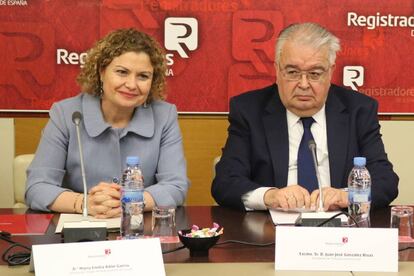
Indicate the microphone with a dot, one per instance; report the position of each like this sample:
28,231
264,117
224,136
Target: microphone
312,148
85,230
76,119
320,217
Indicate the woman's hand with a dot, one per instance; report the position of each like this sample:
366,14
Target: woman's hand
104,200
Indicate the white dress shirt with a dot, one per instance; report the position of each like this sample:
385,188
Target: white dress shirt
253,200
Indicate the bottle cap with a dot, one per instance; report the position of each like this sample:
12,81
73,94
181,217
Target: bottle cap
132,160
360,161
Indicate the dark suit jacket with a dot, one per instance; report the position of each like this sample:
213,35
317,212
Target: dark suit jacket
256,153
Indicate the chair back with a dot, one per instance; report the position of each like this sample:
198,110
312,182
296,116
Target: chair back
215,161
20,164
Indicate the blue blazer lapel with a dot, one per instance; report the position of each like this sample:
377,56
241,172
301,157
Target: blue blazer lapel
275,128
337,124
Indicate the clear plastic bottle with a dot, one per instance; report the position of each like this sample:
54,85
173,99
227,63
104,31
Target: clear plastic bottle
132,200
359,193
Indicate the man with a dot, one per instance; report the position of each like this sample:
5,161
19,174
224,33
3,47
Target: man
262,162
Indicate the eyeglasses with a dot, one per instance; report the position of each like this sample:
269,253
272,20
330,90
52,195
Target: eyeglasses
294,74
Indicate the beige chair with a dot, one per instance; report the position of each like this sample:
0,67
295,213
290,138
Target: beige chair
398,140
215,161
20,164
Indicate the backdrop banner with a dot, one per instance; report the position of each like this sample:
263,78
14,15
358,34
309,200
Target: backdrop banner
215,49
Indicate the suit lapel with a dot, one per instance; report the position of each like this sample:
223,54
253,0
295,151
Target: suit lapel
275,128
337,123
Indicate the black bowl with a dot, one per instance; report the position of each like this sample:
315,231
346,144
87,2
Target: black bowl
197,246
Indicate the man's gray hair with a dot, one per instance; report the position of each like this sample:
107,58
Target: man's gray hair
309,34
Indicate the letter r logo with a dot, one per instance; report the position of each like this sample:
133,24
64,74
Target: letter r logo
353,76
181,35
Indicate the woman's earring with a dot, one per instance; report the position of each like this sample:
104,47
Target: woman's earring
101,92
145,104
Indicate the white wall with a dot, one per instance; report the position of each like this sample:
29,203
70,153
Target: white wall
398,137
6,162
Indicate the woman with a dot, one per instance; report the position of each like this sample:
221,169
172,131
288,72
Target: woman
123,114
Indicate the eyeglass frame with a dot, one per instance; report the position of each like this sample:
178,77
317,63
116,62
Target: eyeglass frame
304,72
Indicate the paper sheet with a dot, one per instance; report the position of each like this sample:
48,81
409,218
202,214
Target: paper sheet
282,217
112,223
325,215
290,217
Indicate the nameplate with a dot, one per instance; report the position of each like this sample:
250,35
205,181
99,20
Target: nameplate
118,257
336,249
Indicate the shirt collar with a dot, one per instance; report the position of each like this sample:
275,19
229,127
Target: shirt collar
142,122
320,116
293,119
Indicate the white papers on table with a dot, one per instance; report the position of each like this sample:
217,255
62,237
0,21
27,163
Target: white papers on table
282,217
290,217
111,223
324,215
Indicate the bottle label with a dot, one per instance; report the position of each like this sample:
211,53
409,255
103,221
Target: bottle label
359,196
132,196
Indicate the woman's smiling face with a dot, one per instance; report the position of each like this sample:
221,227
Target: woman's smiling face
127,81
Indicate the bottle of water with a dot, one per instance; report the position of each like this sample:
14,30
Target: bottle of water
359,193
132,200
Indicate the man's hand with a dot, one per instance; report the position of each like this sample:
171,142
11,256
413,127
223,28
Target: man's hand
333,199
290,197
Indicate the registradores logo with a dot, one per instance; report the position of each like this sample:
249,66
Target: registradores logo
379,20
353,76
372,22
181,35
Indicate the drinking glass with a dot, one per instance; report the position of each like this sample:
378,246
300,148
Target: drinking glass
163,224
402,218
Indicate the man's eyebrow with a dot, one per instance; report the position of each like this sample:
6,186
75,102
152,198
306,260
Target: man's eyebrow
291,66
316,67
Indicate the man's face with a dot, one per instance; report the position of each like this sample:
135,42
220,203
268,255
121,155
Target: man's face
303,77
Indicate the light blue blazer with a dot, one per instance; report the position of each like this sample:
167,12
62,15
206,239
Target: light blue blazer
153,134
